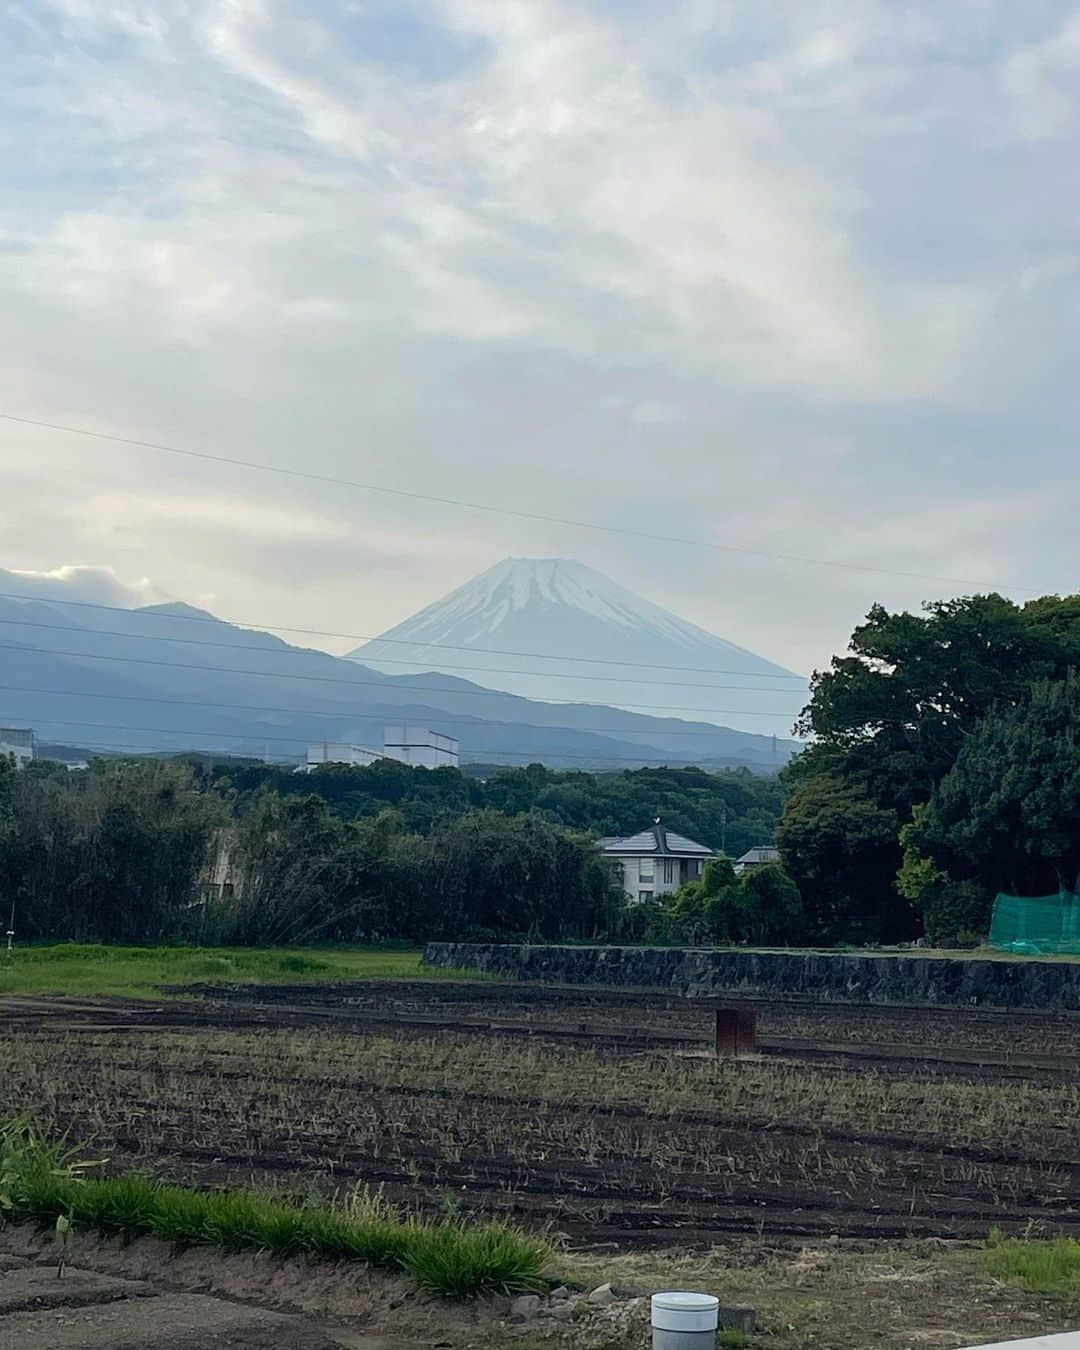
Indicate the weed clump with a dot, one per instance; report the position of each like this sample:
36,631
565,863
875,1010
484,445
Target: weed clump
40,1179
1043,1267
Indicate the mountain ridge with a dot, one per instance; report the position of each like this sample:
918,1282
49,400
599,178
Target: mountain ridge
153,681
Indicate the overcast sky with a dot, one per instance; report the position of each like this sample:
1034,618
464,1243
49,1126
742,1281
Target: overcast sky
801,277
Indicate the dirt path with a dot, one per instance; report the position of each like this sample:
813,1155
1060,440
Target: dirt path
151,1295
85,1310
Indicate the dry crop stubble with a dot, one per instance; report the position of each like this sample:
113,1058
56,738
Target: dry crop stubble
598,1141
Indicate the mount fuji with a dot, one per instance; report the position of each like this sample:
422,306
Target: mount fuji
556,630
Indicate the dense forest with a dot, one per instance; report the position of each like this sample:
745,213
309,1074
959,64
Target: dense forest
730,811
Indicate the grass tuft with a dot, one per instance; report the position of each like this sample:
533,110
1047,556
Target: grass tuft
1051,1267
457,1259
39,1180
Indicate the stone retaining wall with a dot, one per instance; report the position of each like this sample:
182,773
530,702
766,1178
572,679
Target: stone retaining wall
904,980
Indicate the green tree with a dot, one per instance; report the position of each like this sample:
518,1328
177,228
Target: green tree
842,851
889,719
1007,815
7,836
899,706
306,875
769,907
521,874
952,911
763,906
704,911
113,852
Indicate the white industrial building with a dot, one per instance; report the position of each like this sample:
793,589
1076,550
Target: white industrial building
419,746
19,742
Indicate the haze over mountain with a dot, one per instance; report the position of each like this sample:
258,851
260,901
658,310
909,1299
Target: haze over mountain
171,677
551,628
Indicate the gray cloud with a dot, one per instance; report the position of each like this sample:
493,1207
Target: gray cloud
799,279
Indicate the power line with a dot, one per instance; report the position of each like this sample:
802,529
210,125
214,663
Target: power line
122,750
401,642
415,688
308,652
296,740
172,731
617,733
487,508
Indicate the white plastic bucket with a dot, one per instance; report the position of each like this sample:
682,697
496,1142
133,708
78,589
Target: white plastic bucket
683,1321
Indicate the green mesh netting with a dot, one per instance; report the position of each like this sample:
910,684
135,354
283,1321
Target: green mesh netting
1043,925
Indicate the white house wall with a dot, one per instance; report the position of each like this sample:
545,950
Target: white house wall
659,884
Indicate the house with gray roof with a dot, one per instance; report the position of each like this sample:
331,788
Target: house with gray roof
656,861
760,856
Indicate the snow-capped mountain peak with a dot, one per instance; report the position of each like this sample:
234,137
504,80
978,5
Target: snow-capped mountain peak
489,601
553,628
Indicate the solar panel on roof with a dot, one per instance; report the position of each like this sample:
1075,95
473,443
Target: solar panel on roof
681,844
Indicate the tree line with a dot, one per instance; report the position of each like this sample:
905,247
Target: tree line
145,851
731,810
125,851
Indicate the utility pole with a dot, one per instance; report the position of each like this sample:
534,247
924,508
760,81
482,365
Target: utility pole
723,828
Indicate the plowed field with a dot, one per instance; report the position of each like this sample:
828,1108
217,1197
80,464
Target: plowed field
603,1115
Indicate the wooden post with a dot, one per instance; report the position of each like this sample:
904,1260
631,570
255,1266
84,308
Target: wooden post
736,1033
727,1033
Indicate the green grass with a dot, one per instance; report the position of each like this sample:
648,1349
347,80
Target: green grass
1043,1267
39,1180
139,972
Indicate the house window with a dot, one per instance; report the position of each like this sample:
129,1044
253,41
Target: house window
643,896
669,871
646,869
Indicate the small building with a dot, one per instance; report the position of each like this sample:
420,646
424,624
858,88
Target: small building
419,746
657,861
759,856
19,742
